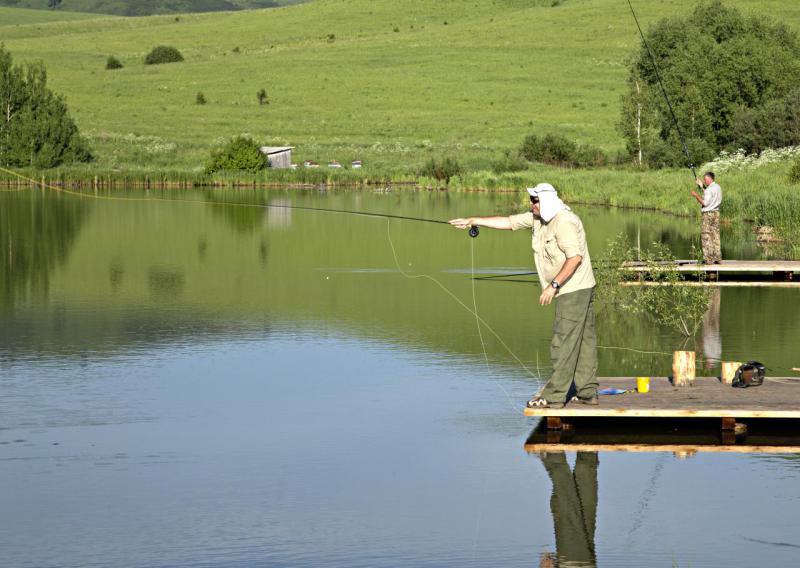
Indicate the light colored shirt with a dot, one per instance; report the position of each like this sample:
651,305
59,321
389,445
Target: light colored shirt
712,197
553,243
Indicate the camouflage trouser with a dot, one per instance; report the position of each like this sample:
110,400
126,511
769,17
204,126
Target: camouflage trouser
709,237
574,347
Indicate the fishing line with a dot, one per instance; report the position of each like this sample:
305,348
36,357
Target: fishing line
388,218
644,501
255,205
479,320
458,300
689,163
515,407
635,350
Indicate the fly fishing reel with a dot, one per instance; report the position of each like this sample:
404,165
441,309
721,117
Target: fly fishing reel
473,231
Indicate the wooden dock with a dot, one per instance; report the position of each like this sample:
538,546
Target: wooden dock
778,398
778,269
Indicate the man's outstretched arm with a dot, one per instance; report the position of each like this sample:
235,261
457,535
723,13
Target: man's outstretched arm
501,223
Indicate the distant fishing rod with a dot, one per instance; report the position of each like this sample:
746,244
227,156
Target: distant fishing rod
689,163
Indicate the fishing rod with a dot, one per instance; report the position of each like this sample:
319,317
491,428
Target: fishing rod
689,163
473,231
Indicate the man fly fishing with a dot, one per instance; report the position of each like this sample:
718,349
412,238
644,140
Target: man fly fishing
565,272
710,202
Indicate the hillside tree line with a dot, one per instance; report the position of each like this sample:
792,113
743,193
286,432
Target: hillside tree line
36,129
733,80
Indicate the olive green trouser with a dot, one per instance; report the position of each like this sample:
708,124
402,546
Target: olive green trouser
574,347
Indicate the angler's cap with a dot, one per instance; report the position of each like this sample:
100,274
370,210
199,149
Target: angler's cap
541,188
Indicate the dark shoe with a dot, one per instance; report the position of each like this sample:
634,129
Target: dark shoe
591,401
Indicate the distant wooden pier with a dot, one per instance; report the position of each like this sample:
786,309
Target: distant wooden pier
778,397
743,270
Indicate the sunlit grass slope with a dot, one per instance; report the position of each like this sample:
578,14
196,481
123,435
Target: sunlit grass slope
21,17
146,7
389,81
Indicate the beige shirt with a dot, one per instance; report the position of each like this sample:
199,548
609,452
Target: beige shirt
553,243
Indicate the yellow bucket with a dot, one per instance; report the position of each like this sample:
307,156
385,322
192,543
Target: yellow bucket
643,384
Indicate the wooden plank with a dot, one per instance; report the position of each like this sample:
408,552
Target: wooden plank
778,397
674,448
723,283
725,266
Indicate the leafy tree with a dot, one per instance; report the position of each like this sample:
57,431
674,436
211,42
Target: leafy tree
36,129
240,154
200,98
718,67
262,97
113,63
163,54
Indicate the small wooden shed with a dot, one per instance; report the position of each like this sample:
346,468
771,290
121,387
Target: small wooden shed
278,156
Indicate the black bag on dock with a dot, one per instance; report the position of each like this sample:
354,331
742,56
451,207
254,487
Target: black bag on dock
751,374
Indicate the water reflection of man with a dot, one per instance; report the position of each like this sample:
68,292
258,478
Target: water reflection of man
711,338
574,507
565,272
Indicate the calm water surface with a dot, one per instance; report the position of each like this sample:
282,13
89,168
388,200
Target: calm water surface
195,383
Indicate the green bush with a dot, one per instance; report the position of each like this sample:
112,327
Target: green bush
558,150
794,172
37,130
240,154
727,75
200,98
163,54
262,97
442,170
113,63
510,162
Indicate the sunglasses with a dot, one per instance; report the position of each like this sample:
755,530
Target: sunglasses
534,199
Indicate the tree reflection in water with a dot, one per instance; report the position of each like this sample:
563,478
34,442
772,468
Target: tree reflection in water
36,232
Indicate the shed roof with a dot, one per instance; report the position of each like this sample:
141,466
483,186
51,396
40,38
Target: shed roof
275,149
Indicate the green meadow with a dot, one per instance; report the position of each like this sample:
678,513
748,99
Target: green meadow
146,7
10,17
389,82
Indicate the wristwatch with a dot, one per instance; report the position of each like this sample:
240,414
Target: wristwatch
555,284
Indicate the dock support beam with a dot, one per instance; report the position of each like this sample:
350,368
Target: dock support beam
554,423
730,425
559,423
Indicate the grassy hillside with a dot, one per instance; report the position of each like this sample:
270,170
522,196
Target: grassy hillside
22,17
146,7
389,81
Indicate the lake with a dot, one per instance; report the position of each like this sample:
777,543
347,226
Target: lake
188,378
